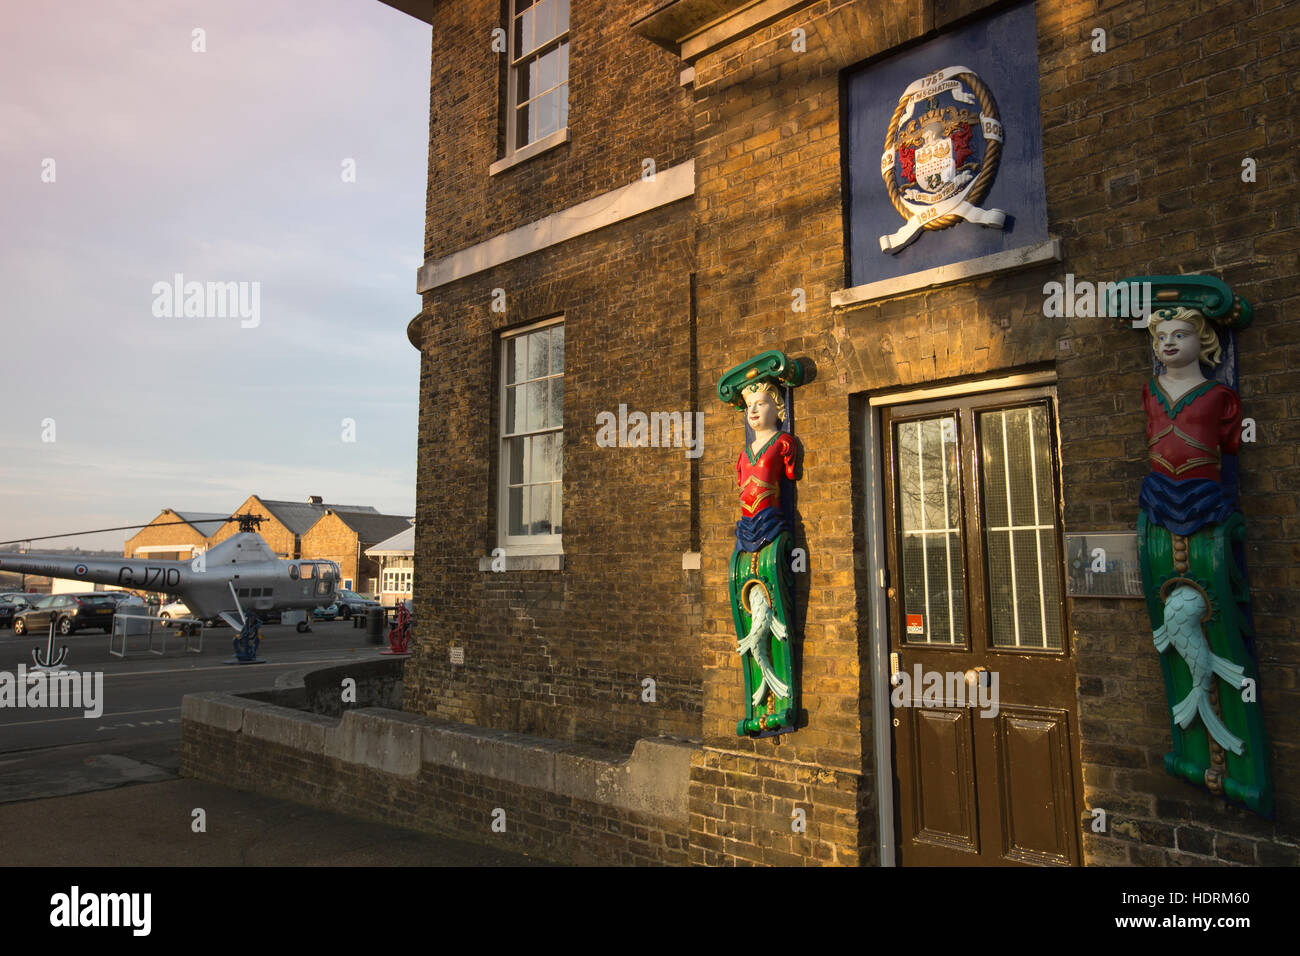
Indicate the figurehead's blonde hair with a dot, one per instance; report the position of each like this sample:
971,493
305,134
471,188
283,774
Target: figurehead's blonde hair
1211,351
771,390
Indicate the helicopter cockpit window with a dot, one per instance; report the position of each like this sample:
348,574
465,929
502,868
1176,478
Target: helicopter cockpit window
293,572
326,583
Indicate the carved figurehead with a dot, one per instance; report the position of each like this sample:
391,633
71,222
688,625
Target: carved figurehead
1191,542
760,564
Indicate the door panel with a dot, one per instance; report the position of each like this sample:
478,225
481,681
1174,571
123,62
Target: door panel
1034,769
944,782
985,767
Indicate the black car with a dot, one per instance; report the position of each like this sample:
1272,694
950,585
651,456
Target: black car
16,600
350,602
71,612
8,609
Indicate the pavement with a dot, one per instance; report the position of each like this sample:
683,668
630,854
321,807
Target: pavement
144,816
107,792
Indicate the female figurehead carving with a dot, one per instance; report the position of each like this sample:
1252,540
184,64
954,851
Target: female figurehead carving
760,580
1190,546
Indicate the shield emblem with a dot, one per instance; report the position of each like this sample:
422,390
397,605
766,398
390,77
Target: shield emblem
934,164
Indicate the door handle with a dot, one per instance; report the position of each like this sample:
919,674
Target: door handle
977,675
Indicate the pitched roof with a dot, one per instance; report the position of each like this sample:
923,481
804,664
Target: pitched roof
298,516
371,527
401,543
205,523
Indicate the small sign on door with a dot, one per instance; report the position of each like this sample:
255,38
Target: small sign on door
458,655
915,624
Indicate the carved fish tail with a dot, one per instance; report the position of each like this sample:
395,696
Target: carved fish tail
1234,674
1225,737
1186,709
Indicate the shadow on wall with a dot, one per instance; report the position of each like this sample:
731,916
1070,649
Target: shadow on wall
378,683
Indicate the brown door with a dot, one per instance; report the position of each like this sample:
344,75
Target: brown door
983,698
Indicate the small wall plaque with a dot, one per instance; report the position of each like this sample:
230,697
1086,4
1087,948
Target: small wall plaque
1102,564
458,655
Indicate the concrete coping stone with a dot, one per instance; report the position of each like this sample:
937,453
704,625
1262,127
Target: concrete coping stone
653,779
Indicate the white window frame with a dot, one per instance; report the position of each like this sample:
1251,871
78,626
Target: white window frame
519,60
521,544
402,578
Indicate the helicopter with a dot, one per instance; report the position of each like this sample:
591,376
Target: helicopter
241,575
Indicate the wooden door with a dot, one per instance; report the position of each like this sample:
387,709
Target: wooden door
984,703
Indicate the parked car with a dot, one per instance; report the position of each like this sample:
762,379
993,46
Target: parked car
8,609
174,609
327,613
350,602
126,598
71,612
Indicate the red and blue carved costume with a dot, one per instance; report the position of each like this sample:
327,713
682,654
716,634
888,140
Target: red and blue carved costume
1193,445
1191,546
763,516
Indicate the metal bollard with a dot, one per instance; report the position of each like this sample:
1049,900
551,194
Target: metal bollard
375,626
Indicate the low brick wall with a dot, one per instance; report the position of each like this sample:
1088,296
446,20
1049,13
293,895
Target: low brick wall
562,802
379,684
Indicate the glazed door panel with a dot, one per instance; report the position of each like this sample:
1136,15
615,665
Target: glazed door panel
983,701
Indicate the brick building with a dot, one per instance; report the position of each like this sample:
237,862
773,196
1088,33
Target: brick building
628,199
293,529
174,535
556,642
285,522
343,537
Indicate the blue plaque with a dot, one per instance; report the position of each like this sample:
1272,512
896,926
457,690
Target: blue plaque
945,151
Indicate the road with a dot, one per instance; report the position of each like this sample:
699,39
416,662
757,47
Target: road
141,702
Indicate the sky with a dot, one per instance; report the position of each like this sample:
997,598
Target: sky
288,156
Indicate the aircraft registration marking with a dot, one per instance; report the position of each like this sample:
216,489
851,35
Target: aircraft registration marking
149,578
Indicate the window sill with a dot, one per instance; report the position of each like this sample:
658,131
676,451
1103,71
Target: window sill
524,560
558,138
1009,261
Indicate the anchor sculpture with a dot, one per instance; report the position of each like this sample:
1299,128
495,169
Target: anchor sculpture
247,642
1191,541
53,661
760,565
